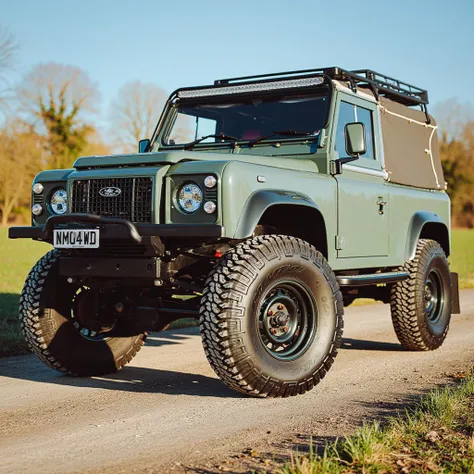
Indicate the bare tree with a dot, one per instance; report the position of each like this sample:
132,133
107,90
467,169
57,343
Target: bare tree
59,101
8,49
134,113
96,146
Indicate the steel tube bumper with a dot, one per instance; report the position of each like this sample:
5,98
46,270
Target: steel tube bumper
112,228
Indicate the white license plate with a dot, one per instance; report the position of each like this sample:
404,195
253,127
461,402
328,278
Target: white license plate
76,238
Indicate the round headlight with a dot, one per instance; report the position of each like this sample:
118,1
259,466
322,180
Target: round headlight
58,201
189,197
38,188
37,209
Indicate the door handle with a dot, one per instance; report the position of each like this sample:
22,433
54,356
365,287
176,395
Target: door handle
381,204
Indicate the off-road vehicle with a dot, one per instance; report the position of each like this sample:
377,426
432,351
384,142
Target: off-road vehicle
261,205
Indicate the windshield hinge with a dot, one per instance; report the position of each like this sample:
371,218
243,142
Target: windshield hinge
322,138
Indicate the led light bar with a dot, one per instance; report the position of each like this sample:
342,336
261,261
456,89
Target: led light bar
243,88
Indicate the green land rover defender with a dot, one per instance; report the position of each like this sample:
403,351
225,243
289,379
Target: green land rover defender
261,206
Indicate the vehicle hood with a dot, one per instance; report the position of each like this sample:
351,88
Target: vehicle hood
140,159
173,157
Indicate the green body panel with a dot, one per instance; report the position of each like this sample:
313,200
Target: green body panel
52,175
177,157
240,182
51,180
142,159
406,203
360,231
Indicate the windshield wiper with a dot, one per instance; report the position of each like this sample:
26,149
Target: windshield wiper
222,136
284,133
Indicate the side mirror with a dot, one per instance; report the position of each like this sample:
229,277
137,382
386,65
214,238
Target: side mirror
355,139
355,145
143,145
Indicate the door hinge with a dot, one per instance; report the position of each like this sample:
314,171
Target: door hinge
340,242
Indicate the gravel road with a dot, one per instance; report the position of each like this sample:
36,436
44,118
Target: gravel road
168,411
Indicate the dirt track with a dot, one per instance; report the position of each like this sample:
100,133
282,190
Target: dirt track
168,411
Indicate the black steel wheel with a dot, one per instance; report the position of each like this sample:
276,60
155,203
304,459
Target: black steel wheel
288,319
271,317
421,305
434,296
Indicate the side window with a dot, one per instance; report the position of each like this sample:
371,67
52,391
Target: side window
365,116
346,115
351,113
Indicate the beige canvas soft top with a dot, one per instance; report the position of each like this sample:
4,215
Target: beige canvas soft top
410,146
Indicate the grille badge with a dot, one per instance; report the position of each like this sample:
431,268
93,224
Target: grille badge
110,191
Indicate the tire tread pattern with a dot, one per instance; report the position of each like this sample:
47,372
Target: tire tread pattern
30,314
221,315
404,307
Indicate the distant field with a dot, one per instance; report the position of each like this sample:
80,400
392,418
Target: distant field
462,258
18,256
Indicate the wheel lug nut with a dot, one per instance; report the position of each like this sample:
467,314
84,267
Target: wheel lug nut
270,313
280,307
285,329
273,331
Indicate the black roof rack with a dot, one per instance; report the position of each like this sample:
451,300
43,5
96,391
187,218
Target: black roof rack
380,84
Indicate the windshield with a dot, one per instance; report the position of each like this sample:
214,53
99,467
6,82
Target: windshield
228,119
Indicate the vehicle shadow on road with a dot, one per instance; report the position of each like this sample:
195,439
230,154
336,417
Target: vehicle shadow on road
171,336
363,345
129,379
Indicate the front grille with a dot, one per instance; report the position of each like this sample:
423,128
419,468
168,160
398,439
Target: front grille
134,202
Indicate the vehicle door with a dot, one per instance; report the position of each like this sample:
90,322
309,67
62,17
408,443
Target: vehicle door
363,196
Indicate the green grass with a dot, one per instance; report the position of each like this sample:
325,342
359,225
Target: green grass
462,256
18,256
16,259
437,435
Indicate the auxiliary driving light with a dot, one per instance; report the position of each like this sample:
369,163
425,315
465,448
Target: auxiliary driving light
210,181
210,207
38,188
37,209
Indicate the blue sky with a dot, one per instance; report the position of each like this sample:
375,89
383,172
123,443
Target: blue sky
172,44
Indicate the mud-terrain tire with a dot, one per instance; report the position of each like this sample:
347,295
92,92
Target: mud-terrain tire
264,284
421,305
46,323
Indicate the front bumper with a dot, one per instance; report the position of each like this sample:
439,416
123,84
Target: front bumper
112,228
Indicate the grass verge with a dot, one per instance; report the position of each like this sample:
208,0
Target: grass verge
437,435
